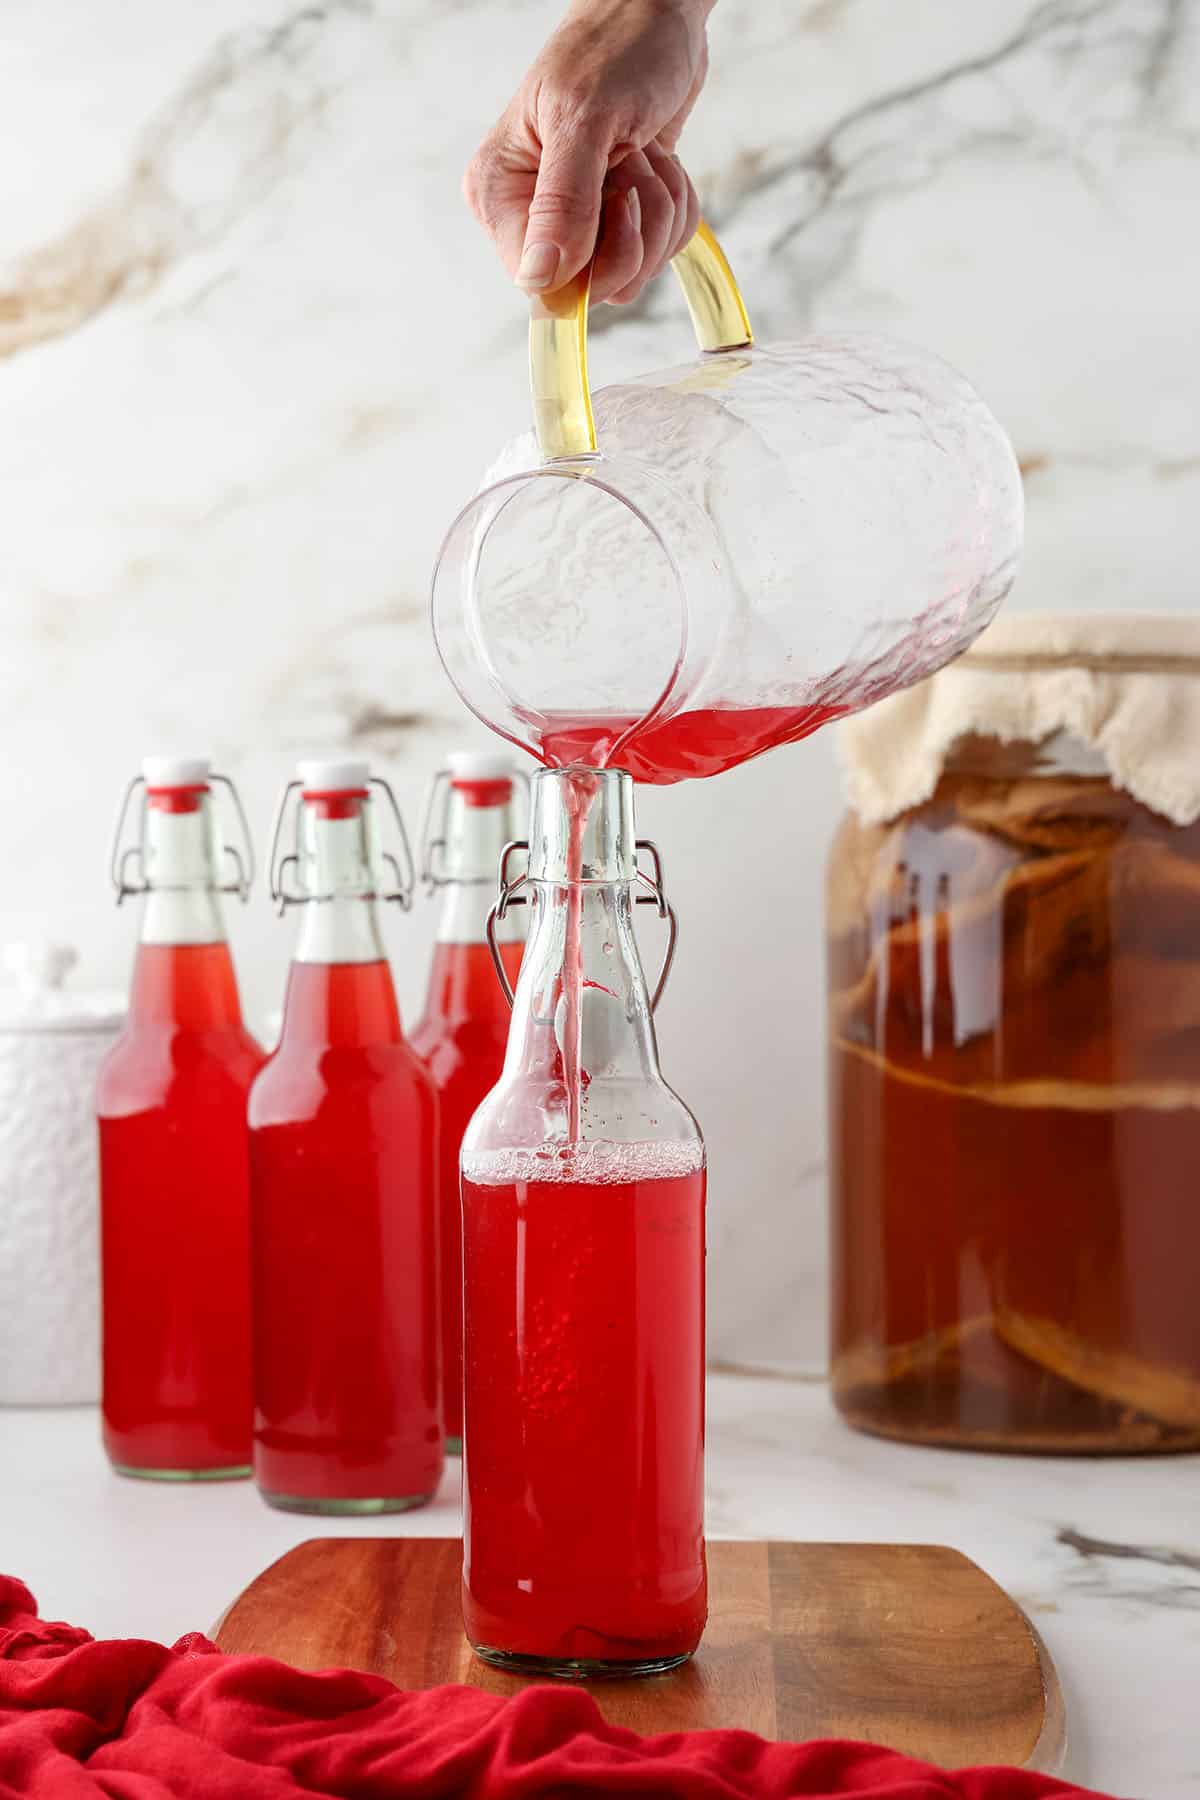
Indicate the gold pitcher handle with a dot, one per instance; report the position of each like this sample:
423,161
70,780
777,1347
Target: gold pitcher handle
558,376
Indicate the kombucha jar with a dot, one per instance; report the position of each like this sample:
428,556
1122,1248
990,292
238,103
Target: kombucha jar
1014,976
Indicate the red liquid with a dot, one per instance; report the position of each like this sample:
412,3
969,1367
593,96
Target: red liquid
584,1376
686,747
175,1218
461,1040
343,1145
581,786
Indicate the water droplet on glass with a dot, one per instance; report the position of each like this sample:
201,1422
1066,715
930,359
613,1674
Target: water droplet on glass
607,947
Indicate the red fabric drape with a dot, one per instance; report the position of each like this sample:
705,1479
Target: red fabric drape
136,1721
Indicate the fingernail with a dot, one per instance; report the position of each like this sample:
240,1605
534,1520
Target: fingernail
635,208
539,266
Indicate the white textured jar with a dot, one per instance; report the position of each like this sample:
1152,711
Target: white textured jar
52,1042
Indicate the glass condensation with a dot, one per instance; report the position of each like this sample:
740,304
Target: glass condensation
1015,1059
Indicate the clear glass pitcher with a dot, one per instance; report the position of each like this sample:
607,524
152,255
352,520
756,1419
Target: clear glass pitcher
682,570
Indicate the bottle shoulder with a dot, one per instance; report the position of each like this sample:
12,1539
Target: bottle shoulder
526,1110
450,1047
302,1077
152,1062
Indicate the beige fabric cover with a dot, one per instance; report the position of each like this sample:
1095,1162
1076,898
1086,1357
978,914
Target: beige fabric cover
1124,684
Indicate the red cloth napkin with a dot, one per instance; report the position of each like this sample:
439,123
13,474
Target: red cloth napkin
135,1721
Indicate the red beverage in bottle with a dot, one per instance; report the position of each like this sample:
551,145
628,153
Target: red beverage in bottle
584,1478
583,1223
462,1036
174,1185
343,1148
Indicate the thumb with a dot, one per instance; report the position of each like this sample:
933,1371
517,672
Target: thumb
564,213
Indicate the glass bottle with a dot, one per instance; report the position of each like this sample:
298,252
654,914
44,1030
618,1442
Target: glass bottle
583,1251
343,1171
1015,1097
463,1032
174,1185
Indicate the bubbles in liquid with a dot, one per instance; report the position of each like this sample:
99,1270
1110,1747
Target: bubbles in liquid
592,1160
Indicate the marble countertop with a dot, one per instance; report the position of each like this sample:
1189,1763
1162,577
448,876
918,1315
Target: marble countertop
1104,1555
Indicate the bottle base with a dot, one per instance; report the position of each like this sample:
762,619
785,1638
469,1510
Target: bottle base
578,1669
234,1472
339,1507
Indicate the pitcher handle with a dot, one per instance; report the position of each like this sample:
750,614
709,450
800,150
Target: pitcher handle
558,376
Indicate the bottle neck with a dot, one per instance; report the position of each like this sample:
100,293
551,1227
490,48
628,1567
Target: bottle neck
593,922
179,862
466,865
336,877
189,987
340,1004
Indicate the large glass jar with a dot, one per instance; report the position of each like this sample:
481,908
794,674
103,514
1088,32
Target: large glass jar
1014,973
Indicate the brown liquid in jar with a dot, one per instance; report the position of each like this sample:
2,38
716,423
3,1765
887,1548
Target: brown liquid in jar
1015,1032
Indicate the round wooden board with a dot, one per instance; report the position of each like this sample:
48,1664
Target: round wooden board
907,1645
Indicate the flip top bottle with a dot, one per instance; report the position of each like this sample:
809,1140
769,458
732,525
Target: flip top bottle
583,1181
343,1159
174,1179
472,814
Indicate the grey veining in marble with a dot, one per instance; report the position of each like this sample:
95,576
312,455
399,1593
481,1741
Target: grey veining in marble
253,354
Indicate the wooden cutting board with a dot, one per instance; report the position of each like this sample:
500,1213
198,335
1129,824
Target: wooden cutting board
908,1645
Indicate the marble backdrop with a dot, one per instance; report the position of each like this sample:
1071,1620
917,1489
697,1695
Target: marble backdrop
253,353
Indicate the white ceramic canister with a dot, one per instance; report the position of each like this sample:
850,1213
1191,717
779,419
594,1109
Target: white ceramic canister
52,1042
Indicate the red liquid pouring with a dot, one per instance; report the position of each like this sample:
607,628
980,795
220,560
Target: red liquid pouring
686,747
581,790
175,1219
342,1137
584,1388
461,1040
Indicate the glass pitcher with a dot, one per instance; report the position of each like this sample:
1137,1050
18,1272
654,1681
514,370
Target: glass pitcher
683,570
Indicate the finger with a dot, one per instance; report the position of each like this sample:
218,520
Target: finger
687,204
564,213
691,217
672,183
671,173
619,254
657,219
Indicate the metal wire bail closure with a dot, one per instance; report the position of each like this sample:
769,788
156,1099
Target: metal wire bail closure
405,879
121,854
510,894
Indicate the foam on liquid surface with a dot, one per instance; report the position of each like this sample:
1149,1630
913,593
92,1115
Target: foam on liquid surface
593,1161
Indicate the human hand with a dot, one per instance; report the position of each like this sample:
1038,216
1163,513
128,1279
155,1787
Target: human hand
582,161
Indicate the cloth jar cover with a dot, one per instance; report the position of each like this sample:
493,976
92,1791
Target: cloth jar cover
1125,685
135,1721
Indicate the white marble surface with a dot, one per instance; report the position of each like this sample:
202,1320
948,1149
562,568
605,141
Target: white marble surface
253,353
1104,1556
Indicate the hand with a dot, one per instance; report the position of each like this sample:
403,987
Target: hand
582,162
